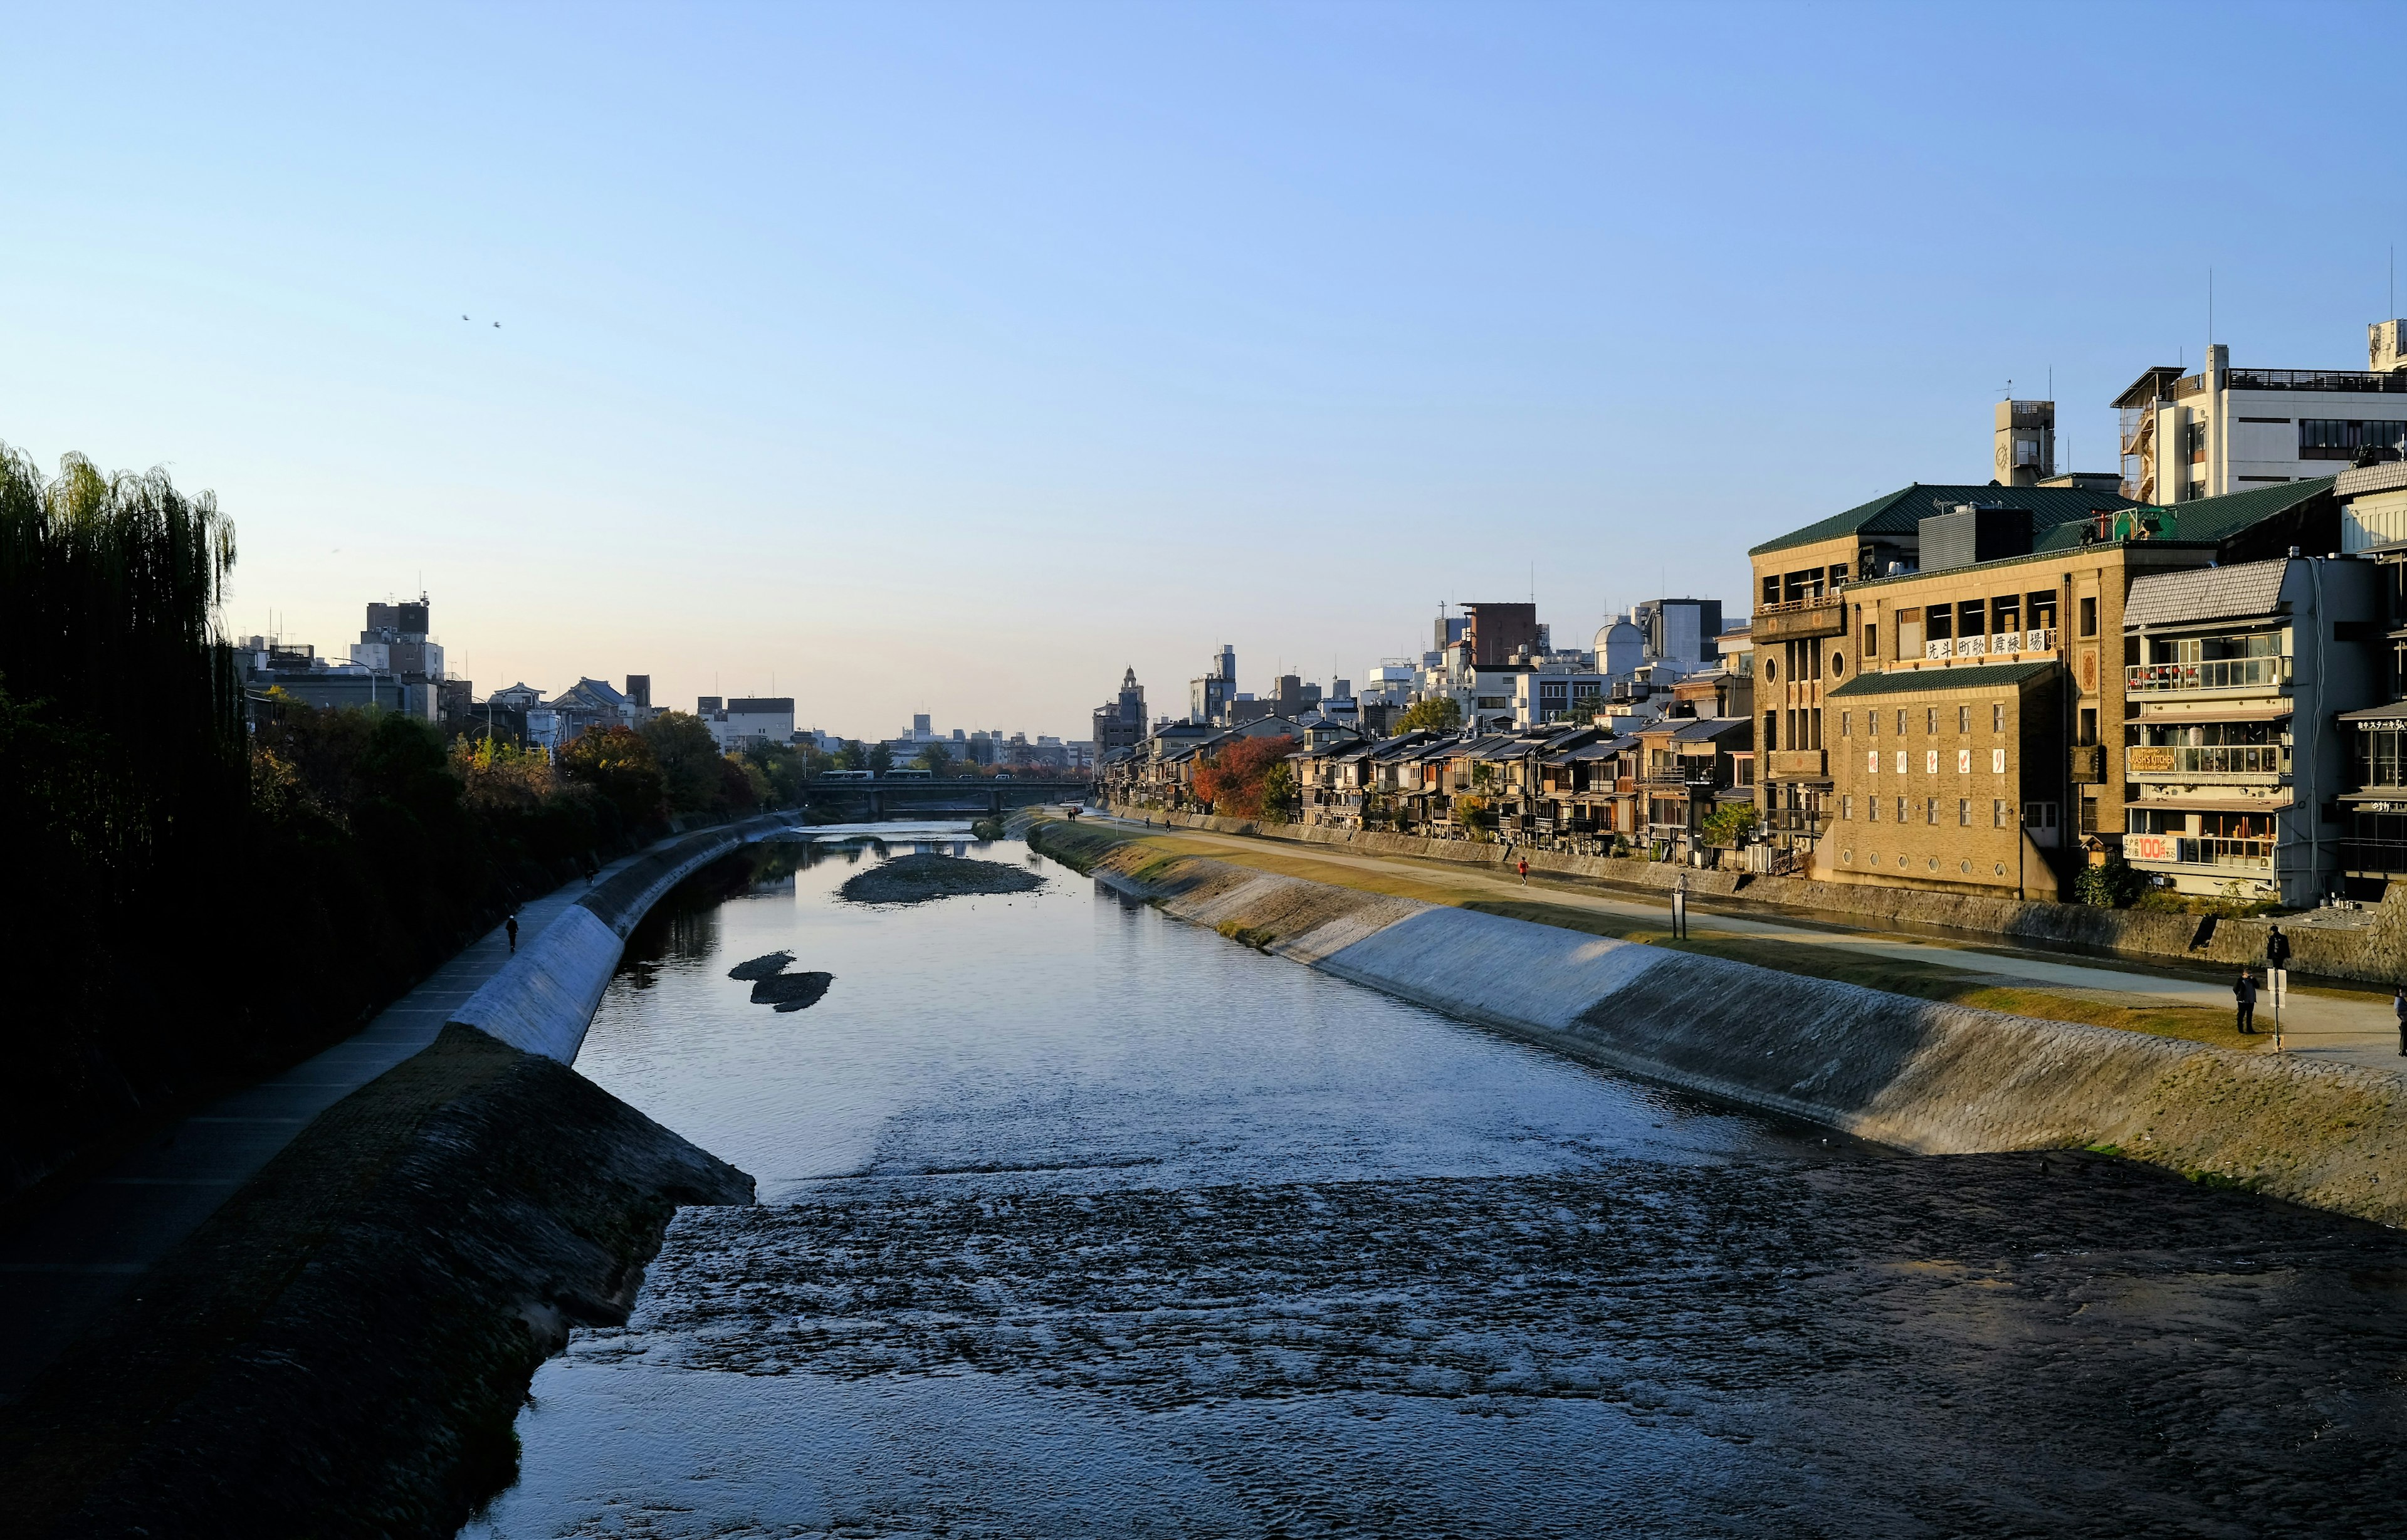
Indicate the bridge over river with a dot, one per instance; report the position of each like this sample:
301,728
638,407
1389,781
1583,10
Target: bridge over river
895,795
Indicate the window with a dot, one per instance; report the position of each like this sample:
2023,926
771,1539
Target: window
1872,640
1901,721
1963,812
1901,809
1909,632
1963,719
1998,717
1843,716
1871,725
1770,591
2089,615
2089,815
1871,810
1771,729
1938,622
1997,813
2338,439
1931,809
2087,731
1847,807
1930,718
2378,756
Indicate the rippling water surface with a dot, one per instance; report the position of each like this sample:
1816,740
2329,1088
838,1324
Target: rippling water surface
1077,1220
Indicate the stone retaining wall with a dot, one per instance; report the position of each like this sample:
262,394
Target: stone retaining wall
1921,1075
2371,954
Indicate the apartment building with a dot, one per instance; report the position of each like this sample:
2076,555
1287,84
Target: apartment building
2008,680
2225,429
2235,762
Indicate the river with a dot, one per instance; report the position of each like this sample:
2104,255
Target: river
1077,1220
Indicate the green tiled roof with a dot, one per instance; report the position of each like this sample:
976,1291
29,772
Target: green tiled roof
1922,680
2209,520
1902,512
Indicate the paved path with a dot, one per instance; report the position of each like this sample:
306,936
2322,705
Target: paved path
85,1248
2347,1026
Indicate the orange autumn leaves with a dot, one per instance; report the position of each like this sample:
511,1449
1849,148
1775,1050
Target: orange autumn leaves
1243,773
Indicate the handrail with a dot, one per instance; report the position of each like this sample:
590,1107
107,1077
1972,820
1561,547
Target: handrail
2209,674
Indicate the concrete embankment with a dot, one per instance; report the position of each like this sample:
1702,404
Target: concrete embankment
544,999
2374,954
343,1348
1918,1074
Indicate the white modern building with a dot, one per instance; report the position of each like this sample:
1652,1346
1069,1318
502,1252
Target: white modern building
749,719
2226,428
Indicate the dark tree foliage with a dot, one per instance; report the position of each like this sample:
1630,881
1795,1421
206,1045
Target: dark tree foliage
197,903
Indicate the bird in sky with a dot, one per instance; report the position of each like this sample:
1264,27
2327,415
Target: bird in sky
497,326
463,317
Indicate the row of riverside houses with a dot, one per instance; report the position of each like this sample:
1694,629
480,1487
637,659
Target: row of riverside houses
2196,667
1637,762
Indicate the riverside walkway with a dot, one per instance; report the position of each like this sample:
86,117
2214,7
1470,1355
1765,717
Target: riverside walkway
70,1258
2340,1025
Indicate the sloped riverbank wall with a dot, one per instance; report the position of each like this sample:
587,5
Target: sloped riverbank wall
1918,1074
2374,954
544,998
343,1348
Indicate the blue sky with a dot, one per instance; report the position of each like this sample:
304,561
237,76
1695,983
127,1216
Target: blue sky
951,357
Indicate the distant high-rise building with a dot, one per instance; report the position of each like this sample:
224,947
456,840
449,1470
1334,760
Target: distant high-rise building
1497,631
1683,633
394,642
1120,723
1208,698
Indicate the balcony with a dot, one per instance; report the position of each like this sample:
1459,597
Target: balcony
2212,674
2249,856
2208,763
1799,619
1797,764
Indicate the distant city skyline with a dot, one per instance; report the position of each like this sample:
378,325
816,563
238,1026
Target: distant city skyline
953,360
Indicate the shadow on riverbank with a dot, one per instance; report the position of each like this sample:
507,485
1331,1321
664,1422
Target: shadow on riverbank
342,1349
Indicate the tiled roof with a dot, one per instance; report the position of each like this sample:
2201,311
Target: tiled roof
2205,594
1902,512
2210,518
1907,681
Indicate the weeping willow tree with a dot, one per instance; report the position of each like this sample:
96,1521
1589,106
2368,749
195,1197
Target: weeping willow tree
122,773
109,646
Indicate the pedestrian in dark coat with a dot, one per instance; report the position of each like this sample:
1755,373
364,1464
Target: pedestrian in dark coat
2244,994
511,925
2399,1009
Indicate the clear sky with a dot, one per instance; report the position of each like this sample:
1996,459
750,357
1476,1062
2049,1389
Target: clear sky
915,357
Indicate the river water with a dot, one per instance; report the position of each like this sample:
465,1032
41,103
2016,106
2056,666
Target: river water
1077,1220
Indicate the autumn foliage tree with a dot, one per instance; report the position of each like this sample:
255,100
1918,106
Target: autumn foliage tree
1240,775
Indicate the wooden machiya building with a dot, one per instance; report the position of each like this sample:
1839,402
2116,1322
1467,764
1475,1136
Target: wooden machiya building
1983,694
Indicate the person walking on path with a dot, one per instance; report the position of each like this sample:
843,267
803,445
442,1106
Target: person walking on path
511,925
2243,993
2399,1009
2277,948
1525,871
